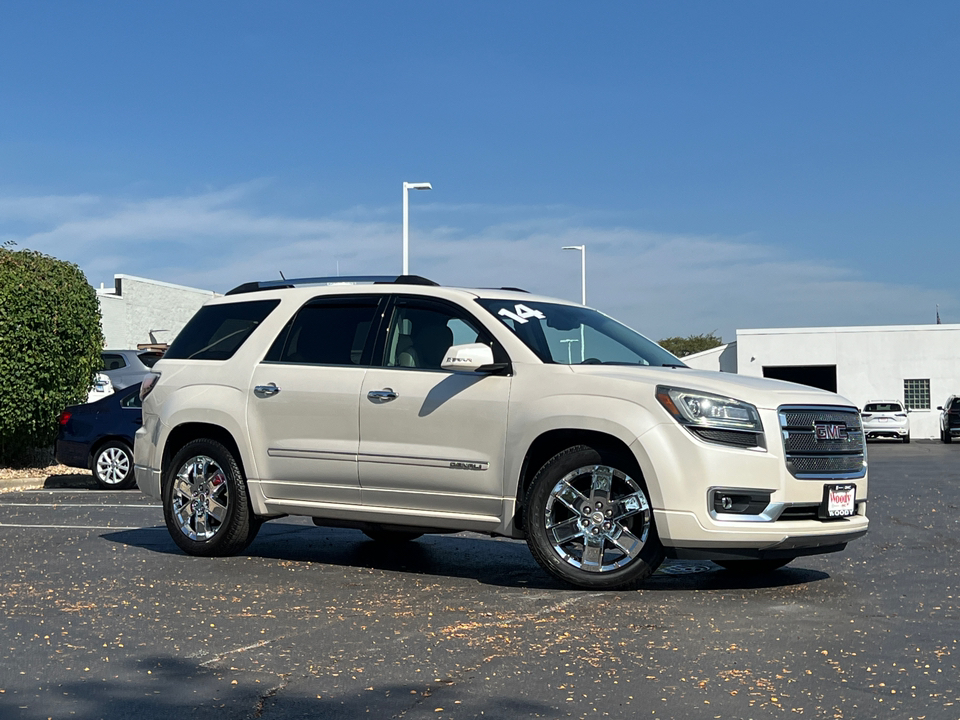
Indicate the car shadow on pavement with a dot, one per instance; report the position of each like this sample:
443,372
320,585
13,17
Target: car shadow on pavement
73,481
498,562
158,687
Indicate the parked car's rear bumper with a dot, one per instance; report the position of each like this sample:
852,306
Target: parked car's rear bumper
72,454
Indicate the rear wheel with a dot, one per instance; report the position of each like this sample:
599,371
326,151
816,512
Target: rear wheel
205,502
752,567
113,466
906,438
589,520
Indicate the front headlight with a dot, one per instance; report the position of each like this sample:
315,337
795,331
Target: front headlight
714,418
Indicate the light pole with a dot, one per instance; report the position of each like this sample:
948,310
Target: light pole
583,270
583,291
406,221
569,351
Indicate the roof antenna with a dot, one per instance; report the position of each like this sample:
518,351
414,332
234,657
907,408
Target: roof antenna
281,275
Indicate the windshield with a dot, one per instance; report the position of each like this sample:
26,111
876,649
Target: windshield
573,335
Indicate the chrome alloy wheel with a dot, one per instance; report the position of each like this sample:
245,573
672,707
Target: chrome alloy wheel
200,498
113,465
597,519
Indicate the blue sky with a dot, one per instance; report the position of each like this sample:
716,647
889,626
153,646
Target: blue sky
728,164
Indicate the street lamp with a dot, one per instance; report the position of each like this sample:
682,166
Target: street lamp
583,292
583,270
406,221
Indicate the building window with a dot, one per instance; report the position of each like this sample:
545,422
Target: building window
916,394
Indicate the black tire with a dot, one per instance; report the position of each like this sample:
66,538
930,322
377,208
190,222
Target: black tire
945,436
582,495
205,474
112,466
752,567
906,438
381,534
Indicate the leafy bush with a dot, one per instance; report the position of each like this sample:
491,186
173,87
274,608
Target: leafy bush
683,346
50,342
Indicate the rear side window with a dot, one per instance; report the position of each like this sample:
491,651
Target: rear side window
149,359
217,331
327,331
112,362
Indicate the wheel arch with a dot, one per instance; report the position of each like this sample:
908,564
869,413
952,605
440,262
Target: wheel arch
189,431
551,442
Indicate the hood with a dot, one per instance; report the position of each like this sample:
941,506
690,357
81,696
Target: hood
762,392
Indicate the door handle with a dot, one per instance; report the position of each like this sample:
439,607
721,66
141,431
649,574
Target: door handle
382,396
266,390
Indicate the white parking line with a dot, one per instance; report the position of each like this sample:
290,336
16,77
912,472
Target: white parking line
75,527
75,505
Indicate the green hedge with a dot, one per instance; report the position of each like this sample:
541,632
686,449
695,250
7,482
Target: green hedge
50,342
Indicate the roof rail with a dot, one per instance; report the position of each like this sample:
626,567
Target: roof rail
338,280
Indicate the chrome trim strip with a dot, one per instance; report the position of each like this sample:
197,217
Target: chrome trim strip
447,463
311,454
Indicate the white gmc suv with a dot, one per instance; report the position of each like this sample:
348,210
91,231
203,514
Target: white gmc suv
400,407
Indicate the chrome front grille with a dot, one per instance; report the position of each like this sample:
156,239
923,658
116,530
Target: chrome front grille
835,449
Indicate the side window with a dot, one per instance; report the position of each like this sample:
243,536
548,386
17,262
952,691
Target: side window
421,332
112,362
326,331
215,332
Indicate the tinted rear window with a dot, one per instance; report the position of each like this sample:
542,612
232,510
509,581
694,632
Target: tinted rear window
149,359
883,407
217,331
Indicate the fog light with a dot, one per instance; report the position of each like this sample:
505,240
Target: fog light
740,502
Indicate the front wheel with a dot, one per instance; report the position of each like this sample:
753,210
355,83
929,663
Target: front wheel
113,466
205,501
752,567
589,520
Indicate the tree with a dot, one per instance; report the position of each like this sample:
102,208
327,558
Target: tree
50,342
683,346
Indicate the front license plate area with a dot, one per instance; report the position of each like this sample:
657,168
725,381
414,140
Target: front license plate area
839,501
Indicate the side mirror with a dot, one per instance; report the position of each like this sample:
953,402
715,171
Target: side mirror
467,358
939,407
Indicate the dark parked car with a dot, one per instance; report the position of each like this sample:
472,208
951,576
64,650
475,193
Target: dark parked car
128,367
950,418
99,436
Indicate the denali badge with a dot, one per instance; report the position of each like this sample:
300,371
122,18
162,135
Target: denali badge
467,466
830,431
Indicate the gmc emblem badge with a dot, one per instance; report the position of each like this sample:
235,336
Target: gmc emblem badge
830,431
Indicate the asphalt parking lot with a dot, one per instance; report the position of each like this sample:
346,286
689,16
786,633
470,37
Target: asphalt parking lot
103,617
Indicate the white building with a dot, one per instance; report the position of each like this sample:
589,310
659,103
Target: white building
917,364
139,311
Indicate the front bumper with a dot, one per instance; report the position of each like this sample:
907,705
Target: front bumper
682,473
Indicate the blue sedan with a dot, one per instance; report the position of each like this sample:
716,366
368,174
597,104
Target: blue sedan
98,436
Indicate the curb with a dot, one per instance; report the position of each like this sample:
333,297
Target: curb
29,483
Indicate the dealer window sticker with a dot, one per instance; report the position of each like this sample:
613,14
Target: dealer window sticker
522,314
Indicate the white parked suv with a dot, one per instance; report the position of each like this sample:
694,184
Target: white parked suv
886,418
400,407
